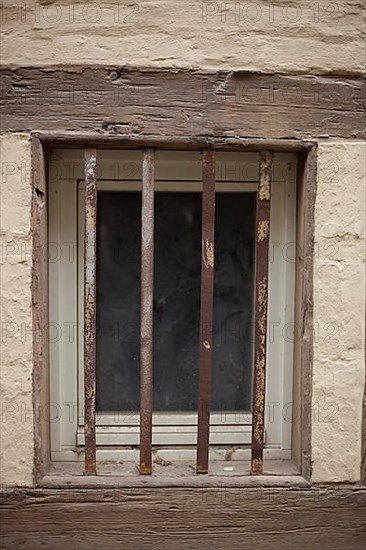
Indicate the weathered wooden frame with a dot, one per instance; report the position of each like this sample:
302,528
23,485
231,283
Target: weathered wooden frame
281,517
39,229
303,349
111,102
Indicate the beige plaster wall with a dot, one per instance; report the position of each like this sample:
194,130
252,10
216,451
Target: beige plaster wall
275,36
16,422
339,312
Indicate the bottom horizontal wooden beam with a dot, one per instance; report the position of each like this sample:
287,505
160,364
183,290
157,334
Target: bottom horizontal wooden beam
184,518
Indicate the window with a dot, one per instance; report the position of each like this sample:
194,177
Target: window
176,308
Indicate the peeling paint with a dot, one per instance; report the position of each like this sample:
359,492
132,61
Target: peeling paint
208,254
265,168
261,305
262,230
90,169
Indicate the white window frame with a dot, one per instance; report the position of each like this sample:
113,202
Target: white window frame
174,435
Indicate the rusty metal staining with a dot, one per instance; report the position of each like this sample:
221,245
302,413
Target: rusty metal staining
207,282
147,291
90,307
261,305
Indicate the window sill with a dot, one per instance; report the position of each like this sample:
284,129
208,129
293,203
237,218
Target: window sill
277,473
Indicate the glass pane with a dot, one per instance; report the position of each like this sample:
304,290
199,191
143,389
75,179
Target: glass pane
176,300
233,302
118,301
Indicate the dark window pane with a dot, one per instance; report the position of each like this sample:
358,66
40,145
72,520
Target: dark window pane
233,302
118,301
176,301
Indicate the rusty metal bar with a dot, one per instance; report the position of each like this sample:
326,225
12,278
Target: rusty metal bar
261,306
90,307
147,291
207,285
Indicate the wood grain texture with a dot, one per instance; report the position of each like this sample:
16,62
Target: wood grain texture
39,229
175,102
184,519
304,306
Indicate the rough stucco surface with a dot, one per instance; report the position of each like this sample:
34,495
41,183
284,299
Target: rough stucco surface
339,312
279,36
16,423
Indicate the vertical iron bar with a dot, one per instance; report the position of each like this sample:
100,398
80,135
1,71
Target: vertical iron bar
90,307
147,291
261,306
207,285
